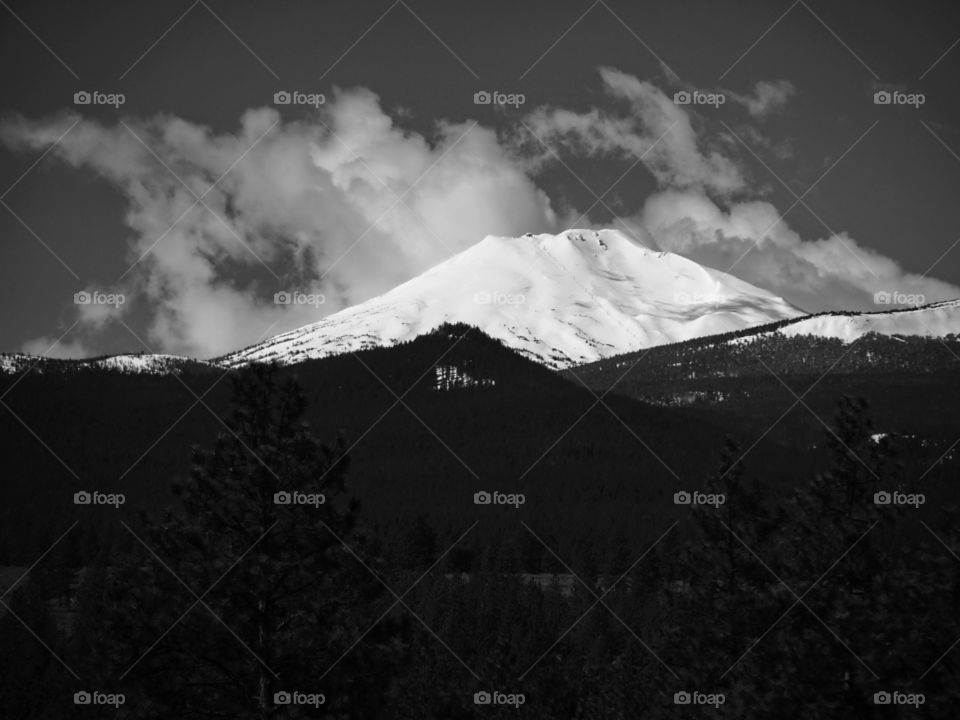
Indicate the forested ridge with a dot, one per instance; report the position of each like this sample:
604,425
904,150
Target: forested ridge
399,597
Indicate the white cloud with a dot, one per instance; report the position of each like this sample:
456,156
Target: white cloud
349,204
766,99
748,238
651,127
345,204
834,272
49,347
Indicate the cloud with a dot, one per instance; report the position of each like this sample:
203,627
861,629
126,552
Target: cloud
649,128
751,240
344,204
49,347
347,203
766,99
707,208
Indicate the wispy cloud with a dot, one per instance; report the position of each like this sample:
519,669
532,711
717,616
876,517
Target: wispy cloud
345,203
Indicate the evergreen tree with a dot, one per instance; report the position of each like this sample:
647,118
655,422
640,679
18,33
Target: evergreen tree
34,685
257,548
844,556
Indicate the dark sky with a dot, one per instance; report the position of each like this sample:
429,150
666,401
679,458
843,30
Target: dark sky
208,62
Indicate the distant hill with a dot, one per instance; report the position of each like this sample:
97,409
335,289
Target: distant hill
745,380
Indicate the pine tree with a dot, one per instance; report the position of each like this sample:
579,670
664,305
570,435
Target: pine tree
33,683
261,537
844,550
419,545
723,598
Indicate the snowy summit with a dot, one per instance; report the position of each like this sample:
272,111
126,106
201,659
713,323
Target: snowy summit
564,299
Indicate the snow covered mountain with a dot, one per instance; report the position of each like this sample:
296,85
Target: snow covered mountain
934,320
561,300
135,364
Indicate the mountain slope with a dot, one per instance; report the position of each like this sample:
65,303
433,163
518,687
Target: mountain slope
128,364
934,320
780,382
906,342
560,299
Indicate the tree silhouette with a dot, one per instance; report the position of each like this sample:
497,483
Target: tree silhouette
249,587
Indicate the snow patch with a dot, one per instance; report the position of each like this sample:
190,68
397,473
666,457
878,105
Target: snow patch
450,377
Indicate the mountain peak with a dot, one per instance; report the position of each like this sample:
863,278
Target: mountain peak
584,240
563,299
